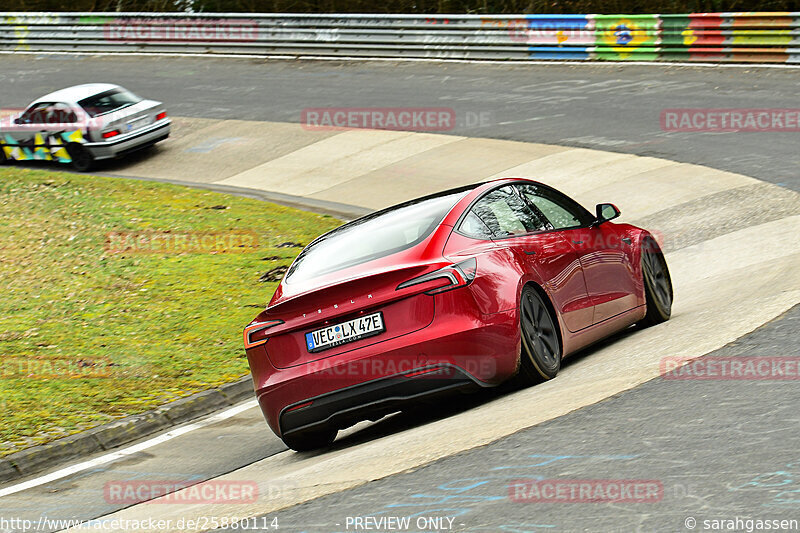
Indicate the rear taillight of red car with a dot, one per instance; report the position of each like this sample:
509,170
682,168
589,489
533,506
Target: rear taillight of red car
256,333
447,278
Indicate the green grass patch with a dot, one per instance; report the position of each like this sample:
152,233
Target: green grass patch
88,333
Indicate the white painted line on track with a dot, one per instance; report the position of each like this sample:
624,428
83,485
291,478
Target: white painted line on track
107,458
532,119
416,59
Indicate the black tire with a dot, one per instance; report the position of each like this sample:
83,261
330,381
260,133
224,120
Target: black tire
657,284
310,440
3,158
82,159
540,357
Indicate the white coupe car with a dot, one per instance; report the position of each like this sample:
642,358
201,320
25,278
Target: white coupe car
83,124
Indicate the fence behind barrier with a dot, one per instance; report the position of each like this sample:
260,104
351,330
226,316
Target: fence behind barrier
706,37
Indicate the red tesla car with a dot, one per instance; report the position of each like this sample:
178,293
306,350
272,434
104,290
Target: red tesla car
468,287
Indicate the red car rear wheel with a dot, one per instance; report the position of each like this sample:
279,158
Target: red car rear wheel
541,346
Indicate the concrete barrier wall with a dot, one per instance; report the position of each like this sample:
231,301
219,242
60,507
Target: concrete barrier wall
696,37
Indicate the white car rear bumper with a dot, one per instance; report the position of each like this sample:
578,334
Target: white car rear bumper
130,142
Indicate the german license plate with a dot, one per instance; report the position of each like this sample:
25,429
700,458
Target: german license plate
344,332
139,122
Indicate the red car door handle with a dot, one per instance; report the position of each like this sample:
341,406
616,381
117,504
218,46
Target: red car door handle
530,252
578,242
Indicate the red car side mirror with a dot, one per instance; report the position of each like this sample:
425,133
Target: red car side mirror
606,212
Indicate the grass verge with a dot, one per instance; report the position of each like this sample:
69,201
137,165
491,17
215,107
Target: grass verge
121,295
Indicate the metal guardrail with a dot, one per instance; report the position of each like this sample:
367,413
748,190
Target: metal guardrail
706,37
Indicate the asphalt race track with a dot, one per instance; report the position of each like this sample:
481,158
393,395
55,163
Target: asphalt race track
647,433
718,449
608,107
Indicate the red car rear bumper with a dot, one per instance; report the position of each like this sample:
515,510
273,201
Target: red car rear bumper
454,351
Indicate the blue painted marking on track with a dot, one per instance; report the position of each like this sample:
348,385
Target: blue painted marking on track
458,497
211,144
783,484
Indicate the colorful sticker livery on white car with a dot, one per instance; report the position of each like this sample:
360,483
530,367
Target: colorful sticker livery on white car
45,147
83,124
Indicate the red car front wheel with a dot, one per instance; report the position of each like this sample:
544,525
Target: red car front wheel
657,283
